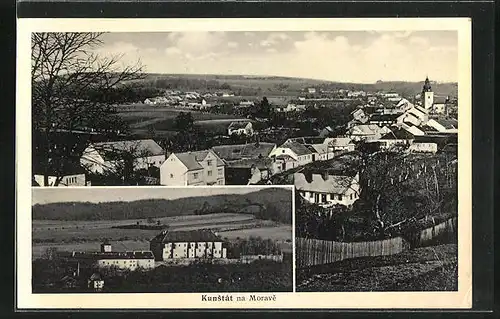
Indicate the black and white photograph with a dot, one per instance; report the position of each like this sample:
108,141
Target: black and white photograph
170,240
298,158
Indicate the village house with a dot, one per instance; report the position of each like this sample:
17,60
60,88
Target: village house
244,151
250,171
131,260
311,90
192,168
291,154
367,132
105,156
73,176
396,138
171,245
383,119
416,115
341,144
247,163
327,189
327,132
443,124
240,128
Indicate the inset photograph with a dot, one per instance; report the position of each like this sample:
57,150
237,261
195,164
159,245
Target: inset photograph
162,239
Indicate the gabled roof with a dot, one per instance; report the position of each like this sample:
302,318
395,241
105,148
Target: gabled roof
319,148
297,148
139,148
260,163
449,123
240,151
199,235
192,159
365,129
339,141
238,125
334,184
399,134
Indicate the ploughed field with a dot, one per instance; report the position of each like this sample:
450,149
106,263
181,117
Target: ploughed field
433,268
87,235
162,118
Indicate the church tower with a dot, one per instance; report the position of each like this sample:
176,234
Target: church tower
427,95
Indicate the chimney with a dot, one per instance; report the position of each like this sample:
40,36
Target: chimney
326,176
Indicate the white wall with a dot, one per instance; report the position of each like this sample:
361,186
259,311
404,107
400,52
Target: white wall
173,172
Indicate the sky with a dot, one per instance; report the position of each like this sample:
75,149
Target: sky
344,56
107,194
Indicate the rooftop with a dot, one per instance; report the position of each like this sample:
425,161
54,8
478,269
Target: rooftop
200,235
238,125
139,148
297,148
242,151
97,255
324,183
192,159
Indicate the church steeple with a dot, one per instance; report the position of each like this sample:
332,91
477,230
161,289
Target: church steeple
427,85
427,94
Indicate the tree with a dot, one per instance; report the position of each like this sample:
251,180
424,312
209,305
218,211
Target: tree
184,121
70,86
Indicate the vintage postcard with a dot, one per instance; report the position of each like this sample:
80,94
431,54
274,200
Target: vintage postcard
244,163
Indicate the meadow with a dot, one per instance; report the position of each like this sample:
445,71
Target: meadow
87,235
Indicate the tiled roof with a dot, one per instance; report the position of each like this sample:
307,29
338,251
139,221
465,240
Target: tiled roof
339,141
200,235
238,125
366,129
399,134
139,148
261,163
241,151
297,148
97,255
192,159
448,123
334,184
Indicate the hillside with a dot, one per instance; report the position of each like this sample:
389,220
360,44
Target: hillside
276,205
282,85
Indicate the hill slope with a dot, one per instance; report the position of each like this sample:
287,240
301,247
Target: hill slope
276,204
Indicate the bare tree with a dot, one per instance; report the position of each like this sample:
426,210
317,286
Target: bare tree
70,82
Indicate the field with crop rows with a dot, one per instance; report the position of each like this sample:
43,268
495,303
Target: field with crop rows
86,235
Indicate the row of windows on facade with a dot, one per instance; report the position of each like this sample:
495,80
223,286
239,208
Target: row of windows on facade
71,180
117,262
220,172
332,196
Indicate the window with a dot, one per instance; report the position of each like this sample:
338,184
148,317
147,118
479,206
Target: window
220,171
282,151
209,162
350,196
209,173
340,197
323,198
171,175
195,175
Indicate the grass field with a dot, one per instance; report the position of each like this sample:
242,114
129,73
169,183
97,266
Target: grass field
431,268
143,116
87,235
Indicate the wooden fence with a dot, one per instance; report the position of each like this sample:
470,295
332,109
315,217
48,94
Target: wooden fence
442,232
311,252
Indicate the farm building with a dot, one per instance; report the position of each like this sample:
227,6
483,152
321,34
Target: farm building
367,132
250,171
244,151
187,244
192,168
74,176
326,189
398,137
106,156
240,128
131,260
292,154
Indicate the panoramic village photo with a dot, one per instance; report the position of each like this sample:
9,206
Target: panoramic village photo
362,124
169,240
